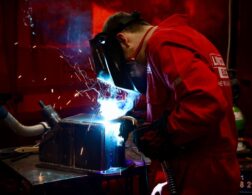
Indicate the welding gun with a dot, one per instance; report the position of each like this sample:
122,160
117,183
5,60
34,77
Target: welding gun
165,166
50,114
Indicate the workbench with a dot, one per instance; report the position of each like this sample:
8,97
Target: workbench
33,179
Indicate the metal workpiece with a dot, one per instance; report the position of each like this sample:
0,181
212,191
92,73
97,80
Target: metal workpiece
81,142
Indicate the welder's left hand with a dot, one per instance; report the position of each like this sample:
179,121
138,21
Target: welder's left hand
126,128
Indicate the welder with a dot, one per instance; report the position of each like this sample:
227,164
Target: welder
188,98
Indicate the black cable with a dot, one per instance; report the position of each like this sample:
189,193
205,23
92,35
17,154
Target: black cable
146,171
169,176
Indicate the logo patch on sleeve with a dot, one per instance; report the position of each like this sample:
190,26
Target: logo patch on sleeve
220,68
217,60
223,72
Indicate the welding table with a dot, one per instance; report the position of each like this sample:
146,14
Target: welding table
35,180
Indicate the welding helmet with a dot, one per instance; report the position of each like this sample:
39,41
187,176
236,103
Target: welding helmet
108,54
109,60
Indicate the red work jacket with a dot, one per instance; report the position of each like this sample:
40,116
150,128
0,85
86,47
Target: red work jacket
188,78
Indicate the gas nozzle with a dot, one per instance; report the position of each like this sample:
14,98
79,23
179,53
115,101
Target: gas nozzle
50,114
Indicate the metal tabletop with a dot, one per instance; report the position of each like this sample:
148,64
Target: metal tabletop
27,168
42,180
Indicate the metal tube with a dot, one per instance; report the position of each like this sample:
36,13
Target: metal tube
21,129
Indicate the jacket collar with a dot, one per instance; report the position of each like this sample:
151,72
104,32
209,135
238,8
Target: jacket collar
175,20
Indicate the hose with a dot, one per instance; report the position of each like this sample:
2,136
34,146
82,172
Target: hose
19,128
165,166
169,177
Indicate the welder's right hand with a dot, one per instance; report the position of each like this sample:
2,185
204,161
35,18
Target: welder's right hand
152,139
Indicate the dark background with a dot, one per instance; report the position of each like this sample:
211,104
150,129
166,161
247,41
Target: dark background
44,50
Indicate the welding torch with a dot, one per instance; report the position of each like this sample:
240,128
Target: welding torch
165,165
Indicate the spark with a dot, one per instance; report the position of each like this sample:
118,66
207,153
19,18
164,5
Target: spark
81,73
77,76
81,152
91,64
61,56
88,95
77,94
19,76
34,46
52,90
89,89
16,43
80,93
59,97
45,79
68,102
80,50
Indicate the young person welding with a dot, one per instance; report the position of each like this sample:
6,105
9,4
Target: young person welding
188,96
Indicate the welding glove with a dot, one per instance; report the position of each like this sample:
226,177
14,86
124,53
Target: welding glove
153,139
127,126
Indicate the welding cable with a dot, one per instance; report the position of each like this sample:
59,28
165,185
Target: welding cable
145,171
169,177
19,128
230,13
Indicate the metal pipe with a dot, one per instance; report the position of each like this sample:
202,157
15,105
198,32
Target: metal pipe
19,128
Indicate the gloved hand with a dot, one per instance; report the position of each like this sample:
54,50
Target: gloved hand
153,139
126,128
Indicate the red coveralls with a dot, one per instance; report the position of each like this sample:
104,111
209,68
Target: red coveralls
187,77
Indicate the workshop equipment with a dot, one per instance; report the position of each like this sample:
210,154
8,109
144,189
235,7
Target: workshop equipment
80,142
19,128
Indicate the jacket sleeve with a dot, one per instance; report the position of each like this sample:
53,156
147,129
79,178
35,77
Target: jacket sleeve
199,101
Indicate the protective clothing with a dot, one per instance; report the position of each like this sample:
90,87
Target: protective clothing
187,77
153,140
